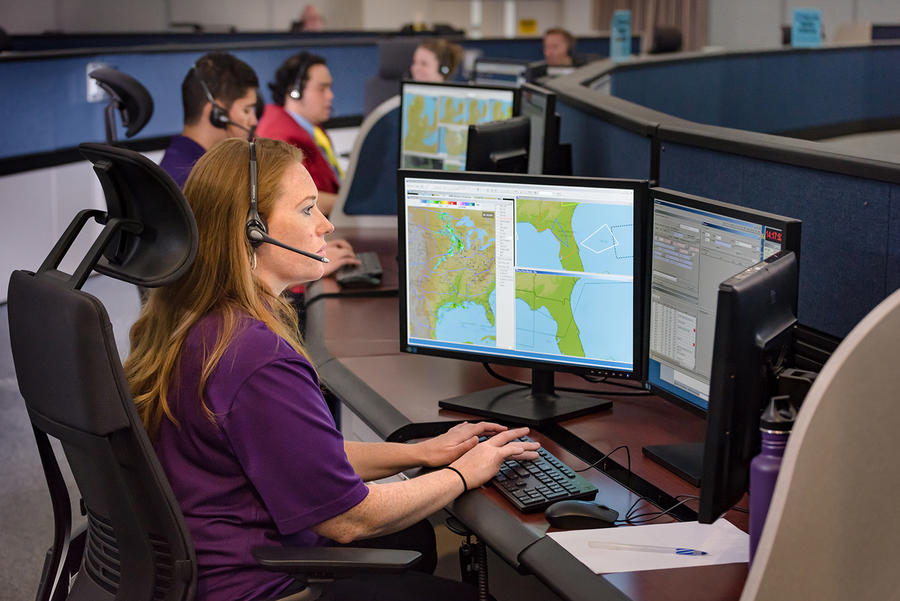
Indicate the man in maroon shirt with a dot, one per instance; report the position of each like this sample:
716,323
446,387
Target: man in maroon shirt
302,98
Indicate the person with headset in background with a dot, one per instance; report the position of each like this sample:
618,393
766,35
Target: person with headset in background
219,96
232,403
559,47
216,81
301,102
435,60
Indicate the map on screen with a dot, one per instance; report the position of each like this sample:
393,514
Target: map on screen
435,122
535,276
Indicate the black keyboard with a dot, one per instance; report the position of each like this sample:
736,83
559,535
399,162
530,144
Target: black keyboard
533,485
367,273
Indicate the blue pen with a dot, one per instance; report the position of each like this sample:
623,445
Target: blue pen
597,544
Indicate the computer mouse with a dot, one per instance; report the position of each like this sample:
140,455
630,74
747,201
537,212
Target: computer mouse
577,515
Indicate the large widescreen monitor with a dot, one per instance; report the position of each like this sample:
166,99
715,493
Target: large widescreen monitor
697,243
435,119
534,271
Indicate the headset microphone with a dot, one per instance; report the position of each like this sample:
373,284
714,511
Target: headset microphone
257,232
258,237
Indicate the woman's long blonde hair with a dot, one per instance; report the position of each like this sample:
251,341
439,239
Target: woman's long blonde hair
221,279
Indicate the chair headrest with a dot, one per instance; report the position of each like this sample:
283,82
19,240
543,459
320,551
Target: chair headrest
136,188
131,98
395,56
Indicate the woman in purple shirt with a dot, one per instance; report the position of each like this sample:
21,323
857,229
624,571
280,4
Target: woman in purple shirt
227,392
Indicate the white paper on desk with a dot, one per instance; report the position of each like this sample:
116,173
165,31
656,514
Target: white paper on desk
724,543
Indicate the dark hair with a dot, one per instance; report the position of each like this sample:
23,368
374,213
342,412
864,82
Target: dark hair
568,37
287,75
227,77
449,55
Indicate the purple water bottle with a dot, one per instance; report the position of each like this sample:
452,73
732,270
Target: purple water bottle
775,427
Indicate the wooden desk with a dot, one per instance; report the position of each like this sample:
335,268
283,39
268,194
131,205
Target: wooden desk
354,341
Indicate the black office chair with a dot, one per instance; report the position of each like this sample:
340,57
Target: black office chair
394,58
136,544
128,96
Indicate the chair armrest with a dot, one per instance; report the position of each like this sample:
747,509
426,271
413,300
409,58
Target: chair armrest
334,561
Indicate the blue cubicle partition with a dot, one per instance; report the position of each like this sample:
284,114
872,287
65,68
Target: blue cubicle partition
794,90
850,208
48,110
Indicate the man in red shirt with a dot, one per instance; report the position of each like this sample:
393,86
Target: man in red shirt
302,98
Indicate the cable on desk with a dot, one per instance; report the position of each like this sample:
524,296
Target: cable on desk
632,518
605,456
502,378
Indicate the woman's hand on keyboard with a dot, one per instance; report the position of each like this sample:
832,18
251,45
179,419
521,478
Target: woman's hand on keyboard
450,446
483,461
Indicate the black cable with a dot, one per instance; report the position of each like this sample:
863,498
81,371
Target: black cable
604,458
633,518
490,370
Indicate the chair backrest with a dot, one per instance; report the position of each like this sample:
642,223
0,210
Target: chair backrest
71,378
368,195
831,532
394,59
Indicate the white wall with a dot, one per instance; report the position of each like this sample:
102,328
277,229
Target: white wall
275,15
741,24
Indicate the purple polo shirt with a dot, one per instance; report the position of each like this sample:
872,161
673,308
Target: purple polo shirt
271,467
180,157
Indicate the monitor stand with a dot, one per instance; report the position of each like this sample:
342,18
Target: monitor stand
685,460
536,407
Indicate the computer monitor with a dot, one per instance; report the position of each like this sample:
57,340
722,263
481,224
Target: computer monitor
534,271
695,244
507,72
435,119
756,314
499,146
539,105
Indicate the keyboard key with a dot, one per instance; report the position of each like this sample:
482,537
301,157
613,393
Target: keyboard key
533,485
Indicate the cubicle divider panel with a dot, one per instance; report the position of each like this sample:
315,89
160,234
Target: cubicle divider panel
771,91
601,148
47,108
532,48
893,260
845,266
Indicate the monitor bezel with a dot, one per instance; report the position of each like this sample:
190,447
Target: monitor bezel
791,230
550,123
639,187
448,84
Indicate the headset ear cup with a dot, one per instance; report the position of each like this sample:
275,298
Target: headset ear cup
218,116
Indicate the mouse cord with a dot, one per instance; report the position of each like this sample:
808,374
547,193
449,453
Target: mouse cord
634,518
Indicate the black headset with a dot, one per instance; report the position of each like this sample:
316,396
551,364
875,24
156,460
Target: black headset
256,225
256,228
218,116
302,67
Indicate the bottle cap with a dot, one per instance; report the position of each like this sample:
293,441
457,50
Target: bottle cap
779,415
